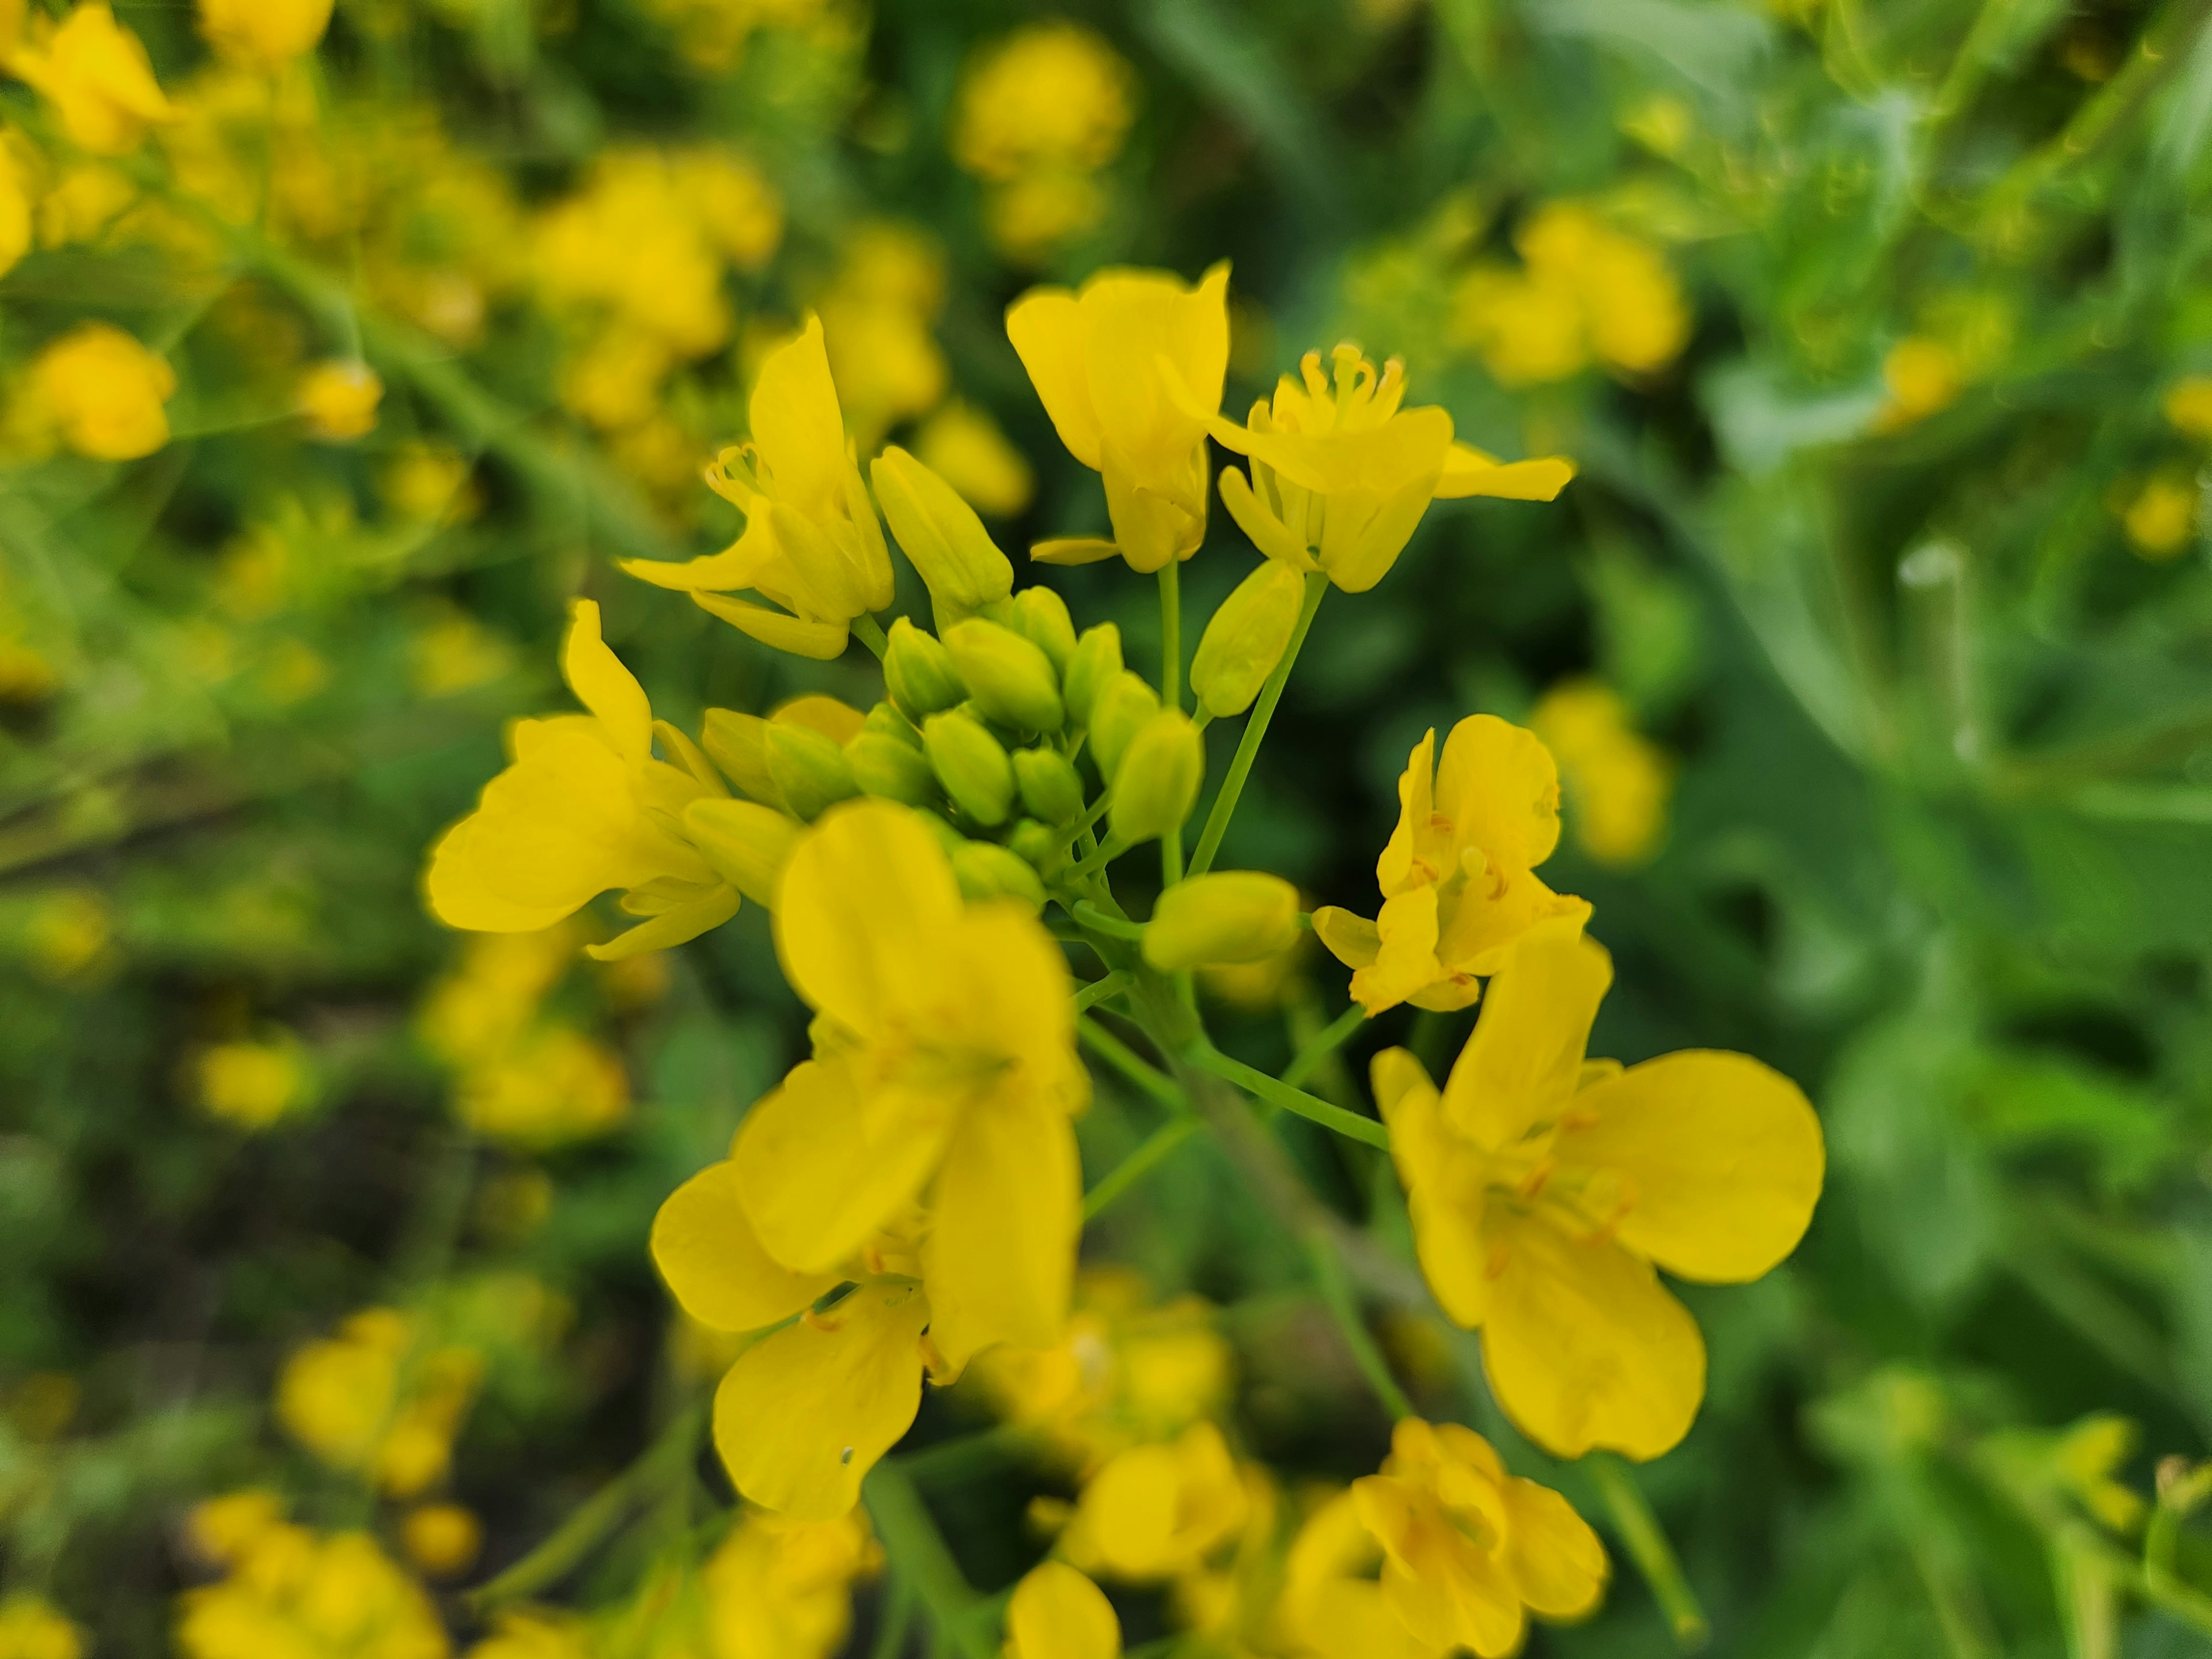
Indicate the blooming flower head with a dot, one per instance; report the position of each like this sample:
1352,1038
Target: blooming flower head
1342,474
1332,1605
776,1586
1617,780
1469,1551
104,391
1107,360
253,1083
97,75
339,399
552,1085
1545,1188
584,808
1158,1511
269,33
811,544
365,1400
1458,878
290,1590
1585,291
1040,113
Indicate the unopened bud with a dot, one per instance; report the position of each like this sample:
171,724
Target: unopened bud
885,719
1096,660
970,764
1247,638
809,770
1157,783
1052,789
1040,845
1012,680
1124,704
1236,915
884,766
1041,617
986,870
942,537
737,744
918,671
746,843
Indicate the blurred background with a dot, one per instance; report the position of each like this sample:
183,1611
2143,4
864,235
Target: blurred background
1874,641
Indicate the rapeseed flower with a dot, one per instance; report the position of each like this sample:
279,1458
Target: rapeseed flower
552,1085
1055,1613
378,1400
1342,474
309,1595
1546,1187
1039,113
1617,781
1922,376
1459,887
1469,1551
2161,517
254,1084
963,446
1158,1511
1332,1604
96,74
584,807
2187,406
442,1539
1586,291
339,399
1130,367
877,318
811,544
781,1588
267,33
104,391
32,1627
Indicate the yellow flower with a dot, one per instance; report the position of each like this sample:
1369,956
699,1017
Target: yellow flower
2161,519
1058,1613
1528,332
1049,95
31,1627
105,392
1105,360
583,809
15,205
877,318
1586,290
1617,780
1544,1188
1923,377
339,399
2188,405
1332,1605
253,1085
1026,218
98,77
220,1530
1341,477
553,1085
2087,1454
1469,1551
963,446
441,1539
449,652
783,1589
374,1399
533,1633
1458,880
1153,1512
294,1592
811,544
267,33
477,1012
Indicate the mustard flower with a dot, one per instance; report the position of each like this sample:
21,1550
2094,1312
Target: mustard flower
1922,377
963,445
367,1401
583,809
266,34
339,399
1585,291
104,391
1617,780
1469,1551
1108,361
1058,1613
2161,518
442,1539
1546,1187
1332,1604
15,205
32,1627
1458,879
1342,474
296,1592
96,74
1050,95
254,1084
552,1085
1154,1512
2187,407
783,1589
811,544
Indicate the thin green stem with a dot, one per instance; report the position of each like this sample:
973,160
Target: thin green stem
1171,634
1126,1060
1312,1056
1255,729
1074,832
896,1619
1336,1293
1261,1087
917,1552
870,633
1099,989
1108,852
1139,1164
1088,914
1646,1542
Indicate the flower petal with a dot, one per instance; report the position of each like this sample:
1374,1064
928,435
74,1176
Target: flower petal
823,641
1058,1613
1557,1564
1446,1189
713,1261
797,425
459,896
603,685
1075,549
1046,327
1351,940
1000,1259
708,910
1498,785
1520,1065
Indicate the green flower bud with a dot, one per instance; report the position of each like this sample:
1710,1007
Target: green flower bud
942,538
1011,681
1041,617
1095,660
1039,844
737,744
1247,638
885,718
918,673
1232,916
970,764
809,770
1052,789
746,843
986,870
884,766
1157,784
1124,704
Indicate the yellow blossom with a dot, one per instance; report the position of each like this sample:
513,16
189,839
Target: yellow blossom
449,652
1027,218
583,809
784,1588
1922,377
1585,291
1049,94
98,77
378,1400
1617,781
254,1084
1057,1613
2161,518
1459,887
477,1012
269,33
1130,367
1152,1512
1341,474
1469,1551
2188,405
534,1633
812,542
220,1530
105,392
1333,1606
552,1085
310,1595
339,399
441,1539
963,446
1545,1187
32,1627
430,483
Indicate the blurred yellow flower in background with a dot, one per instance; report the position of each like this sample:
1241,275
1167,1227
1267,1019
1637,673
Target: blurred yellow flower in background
2162,515
441,1539
294,1592
268,33
1155,1511
2187,406
1039,113
1923,377
105,392
96,74
1585,292
32,1627
784,1588
1056,1612
378,1399
254,1085
1616,781
553,1085
963,446
339,399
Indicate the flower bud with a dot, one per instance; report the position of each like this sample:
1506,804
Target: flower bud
1157,784
1095,660
884,766
1011,681
1124,704
737,744
885,720
918,671
941,536
1039,844
986,870
809,770
746,843
1052,789
1041,617
1233,917
1247,638
970,764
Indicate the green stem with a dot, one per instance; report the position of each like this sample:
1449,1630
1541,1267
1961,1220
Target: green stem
897,1621
1099,989
1126,1060
1139,1164
1255,729
1646,1544
1088,914
1171,634
1310,1058
1259,1085
1108,852
870,633
916,1552
1336,1293
967,1455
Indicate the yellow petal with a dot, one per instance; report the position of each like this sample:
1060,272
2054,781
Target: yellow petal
459,896
1412,841
713,1261
1500,789
1000,1259
834,719
805,1413
1557,1564
603,685
1446,1187
1046,326
677,926
1520,1065
1469,471
1405,960
1585,1348
1127,1514
1351,940
1074,549
1058,1613
1265,530
823,641
1722,1158
1132,319
734,567
797,425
